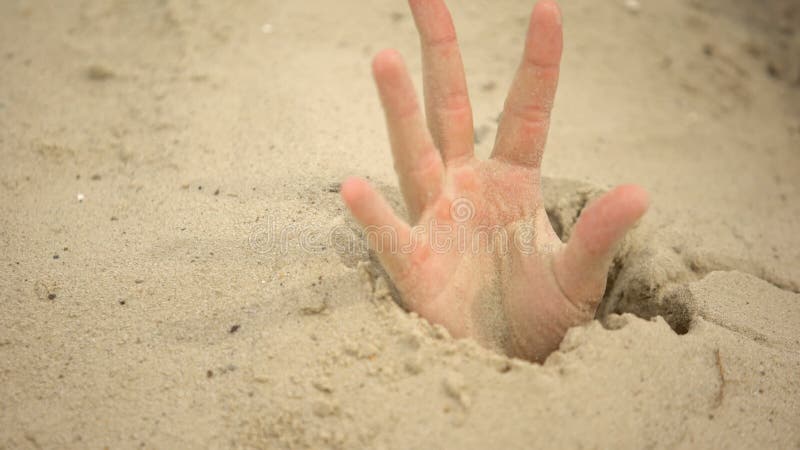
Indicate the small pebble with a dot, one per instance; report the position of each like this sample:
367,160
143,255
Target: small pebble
456,387
633,6
413,365
322,385
261,377
324,408
440,332
81,197
413,340
319,307
367,350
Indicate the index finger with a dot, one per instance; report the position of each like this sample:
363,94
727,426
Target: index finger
522,133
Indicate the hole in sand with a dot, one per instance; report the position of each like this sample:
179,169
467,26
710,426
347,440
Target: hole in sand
630,287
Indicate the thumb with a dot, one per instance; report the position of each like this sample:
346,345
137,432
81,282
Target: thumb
582,267
387,235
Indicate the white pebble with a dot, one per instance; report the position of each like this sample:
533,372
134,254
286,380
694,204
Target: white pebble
81,197
633,5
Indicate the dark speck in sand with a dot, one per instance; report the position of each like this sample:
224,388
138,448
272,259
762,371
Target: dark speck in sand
216,192
209,373
96,177
199,188
51,296
138,281
97,72
234,329
56,256
772,71
122,302
334,187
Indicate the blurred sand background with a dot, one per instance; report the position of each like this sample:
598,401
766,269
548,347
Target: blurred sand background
155,312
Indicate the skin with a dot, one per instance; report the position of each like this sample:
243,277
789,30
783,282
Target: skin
520,298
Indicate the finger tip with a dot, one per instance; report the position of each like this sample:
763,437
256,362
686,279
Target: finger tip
636,198
386,61
550,5
606,220
352,190
545,33
548,9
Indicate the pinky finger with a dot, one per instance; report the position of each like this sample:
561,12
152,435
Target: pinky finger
386,234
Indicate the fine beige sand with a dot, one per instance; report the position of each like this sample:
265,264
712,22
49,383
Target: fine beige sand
177,269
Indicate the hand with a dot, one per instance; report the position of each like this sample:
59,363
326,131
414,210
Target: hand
506,279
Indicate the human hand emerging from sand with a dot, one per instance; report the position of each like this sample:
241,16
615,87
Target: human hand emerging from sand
482,258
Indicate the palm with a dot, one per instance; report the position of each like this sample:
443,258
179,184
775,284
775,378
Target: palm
482,259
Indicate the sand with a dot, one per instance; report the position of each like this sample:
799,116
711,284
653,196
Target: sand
151,149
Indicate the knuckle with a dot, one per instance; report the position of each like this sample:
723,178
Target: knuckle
534,115
405,110
442,41
455,104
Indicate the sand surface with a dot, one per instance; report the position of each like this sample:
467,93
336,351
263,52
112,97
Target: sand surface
177,270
